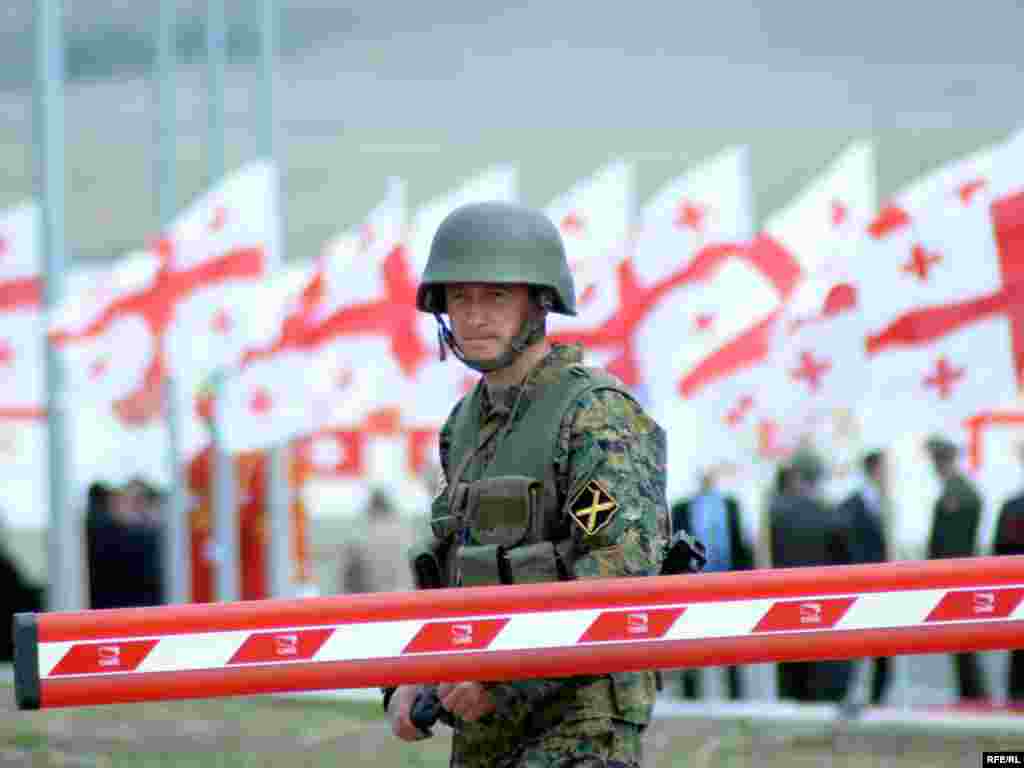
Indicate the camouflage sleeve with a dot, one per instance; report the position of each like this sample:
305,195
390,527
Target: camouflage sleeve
611,458
615,500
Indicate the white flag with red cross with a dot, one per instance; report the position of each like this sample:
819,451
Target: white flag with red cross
179,300
684,273
22,370
109,351
360,326
217,254
265,399
595,218
218,251
710,314
944,266
820,368
318,367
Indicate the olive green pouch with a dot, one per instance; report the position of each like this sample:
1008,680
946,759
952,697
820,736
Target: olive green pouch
501,509
478,566
532,564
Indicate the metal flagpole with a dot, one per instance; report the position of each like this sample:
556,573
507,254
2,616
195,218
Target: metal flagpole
279,545
177,565
63,551
225,489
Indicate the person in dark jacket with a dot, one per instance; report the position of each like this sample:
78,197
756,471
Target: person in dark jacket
18,594
863,514
805,532
123,547
714,518
954,533
1010,541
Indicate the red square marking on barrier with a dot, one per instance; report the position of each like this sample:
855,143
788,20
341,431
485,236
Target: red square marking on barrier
977,604
468,635
612,626
103,658
804,614
300,645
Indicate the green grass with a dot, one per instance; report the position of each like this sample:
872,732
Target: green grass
253,732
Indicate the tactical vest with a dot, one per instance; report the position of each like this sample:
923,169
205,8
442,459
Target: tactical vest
512,528
506,524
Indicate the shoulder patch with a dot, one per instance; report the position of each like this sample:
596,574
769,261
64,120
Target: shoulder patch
593,507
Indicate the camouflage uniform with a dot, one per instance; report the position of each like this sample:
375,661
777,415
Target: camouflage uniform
579,721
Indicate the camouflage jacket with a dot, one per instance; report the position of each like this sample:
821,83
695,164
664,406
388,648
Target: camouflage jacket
631,471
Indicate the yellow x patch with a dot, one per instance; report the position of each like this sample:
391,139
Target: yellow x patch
593,507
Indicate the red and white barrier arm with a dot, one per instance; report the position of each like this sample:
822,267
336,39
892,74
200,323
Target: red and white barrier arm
509,632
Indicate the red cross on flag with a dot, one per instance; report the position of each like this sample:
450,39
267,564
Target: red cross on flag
264,401
109,351
22,373
689,273
795,359
944,266
218,251
338,341
819,363
214,251
594,217
361,326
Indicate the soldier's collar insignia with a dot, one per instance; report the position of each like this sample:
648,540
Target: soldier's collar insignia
593,507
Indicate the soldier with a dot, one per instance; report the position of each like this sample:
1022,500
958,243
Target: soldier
551,471
954,533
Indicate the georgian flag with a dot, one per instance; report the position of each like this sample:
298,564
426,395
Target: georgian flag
360,327
184,303
820,368
594,217
109,351
686,269
944,266
265,400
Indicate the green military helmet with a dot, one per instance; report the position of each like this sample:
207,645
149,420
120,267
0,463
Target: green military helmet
496,242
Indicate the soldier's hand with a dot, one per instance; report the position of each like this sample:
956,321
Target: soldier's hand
469,701
398,713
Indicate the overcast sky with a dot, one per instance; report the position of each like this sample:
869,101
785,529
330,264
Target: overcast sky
894,63
433,91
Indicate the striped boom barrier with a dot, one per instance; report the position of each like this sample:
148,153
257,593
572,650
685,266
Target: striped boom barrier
509,632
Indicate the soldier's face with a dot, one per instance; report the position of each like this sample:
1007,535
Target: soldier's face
486,317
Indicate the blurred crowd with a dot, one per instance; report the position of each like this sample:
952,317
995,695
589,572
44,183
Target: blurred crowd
799,528
123,541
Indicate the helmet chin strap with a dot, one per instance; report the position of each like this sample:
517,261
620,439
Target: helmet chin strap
531,331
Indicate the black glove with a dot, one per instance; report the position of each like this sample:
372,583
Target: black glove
427,710
684,555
